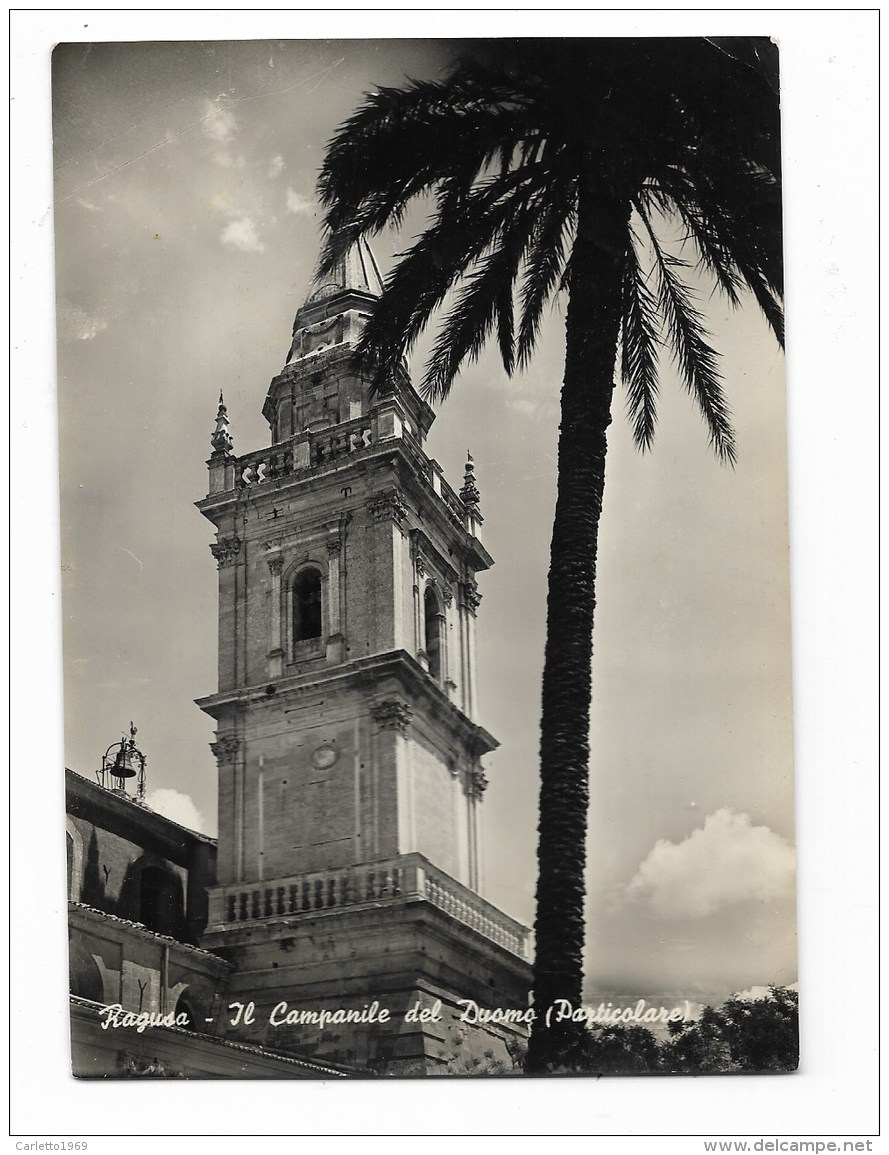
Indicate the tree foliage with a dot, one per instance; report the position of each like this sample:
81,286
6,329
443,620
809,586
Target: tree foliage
665,132
616,172
741,1036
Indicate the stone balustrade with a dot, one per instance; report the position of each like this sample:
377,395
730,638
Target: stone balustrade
451,500
408,877
304,451
319,448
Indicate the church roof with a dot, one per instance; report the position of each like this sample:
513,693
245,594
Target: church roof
79,786
144,931
355,271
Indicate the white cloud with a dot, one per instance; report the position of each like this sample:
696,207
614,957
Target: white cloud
296,203
176,806
241,234
222,204
225,160
536,408
754,994
76,324
276,166
220,123
726,861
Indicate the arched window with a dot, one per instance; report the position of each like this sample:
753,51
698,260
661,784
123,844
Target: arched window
69,845
160,904
85,978
307,605
434,632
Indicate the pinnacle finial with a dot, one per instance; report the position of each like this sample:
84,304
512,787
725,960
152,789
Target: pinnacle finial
469,494
221,440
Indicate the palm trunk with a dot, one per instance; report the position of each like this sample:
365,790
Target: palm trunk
592,330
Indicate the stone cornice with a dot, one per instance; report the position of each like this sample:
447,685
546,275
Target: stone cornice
409,477
417,489
364,673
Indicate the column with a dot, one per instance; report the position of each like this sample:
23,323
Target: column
394,784
419,588
334,599
462,616
472,599
276,650
388,511
476,785
225,550
225,749
448,662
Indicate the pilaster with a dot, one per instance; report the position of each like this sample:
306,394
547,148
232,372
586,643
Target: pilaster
334,598
275,560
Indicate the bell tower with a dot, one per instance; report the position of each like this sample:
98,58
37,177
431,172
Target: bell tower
349,752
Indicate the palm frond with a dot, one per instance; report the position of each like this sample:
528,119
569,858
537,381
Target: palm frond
740,207
401,143
639,349
419,283
506,326
772,308
713,255
485,299
695,358
544,266
503,132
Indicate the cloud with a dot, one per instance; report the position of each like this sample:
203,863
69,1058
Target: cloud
296,203
222,203
220,123
276,166
225,160
726,861
176,806
76,324
241,234
539,409
754,994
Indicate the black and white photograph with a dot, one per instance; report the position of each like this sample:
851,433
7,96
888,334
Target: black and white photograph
424,531
388,314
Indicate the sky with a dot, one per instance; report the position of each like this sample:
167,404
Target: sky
186,232
829,62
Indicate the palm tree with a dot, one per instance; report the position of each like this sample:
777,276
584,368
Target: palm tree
612,171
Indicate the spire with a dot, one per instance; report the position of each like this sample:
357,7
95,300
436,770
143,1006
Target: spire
221,440
355,271
469,494
355,275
